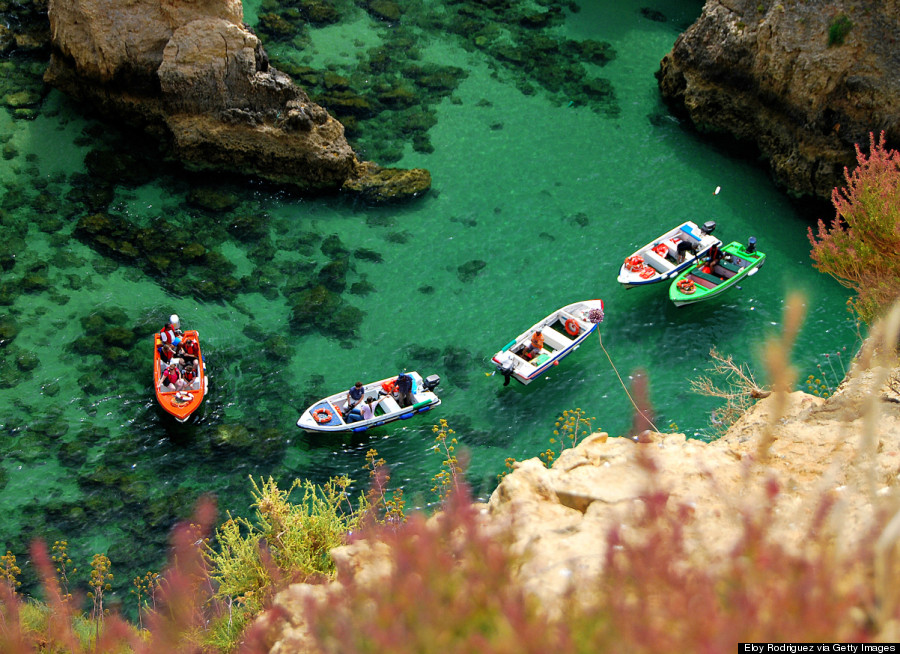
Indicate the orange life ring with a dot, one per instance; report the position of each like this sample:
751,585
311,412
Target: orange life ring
181,398
321,416
572,327
634,263
686,286
661,249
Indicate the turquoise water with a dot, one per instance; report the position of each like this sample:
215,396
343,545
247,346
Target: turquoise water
549,194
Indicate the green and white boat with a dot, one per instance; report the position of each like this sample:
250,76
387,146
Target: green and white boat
720,270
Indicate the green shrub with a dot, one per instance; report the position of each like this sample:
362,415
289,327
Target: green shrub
285,538
838,30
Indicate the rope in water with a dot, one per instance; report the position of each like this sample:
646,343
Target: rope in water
641,413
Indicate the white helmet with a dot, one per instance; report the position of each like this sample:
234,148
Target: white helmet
174,319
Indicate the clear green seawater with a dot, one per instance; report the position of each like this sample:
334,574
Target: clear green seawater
549,196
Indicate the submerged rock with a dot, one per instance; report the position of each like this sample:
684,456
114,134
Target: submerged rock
377,184
467,271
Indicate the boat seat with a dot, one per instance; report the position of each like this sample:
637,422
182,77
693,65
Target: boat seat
727,265
700,281
555,340
710,278
656,262
389,404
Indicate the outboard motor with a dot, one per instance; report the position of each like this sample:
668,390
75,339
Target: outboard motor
431,382
708,227
751,245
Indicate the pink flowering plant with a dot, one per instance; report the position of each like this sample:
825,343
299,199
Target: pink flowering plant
859,248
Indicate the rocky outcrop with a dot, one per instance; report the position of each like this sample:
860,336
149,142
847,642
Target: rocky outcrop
844,449
801,81
193,74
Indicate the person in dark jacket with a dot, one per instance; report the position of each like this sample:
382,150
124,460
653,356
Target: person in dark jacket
354,397
404,390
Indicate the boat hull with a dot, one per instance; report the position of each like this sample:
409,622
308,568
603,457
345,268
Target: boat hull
659,257
737,263
561,338
387,410
174,406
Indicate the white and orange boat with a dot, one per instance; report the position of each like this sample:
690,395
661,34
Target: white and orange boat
668,255
180,404
564,331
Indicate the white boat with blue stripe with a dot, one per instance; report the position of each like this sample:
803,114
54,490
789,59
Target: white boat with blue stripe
563,331
668,255
325,414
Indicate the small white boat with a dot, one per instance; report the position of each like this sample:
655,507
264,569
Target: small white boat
668,255
563,332
325,414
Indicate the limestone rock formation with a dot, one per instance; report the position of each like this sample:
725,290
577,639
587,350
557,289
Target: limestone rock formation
191,73
801,81
846,448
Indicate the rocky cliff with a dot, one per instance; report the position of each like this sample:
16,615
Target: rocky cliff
801,81
844,449
192,74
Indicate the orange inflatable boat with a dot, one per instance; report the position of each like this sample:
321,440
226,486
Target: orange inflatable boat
180,404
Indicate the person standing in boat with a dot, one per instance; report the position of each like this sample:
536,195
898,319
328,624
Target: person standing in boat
683,248
405,390
354,397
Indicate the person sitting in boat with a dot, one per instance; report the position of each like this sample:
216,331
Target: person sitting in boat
167,333
172,379
189,375
362,412
712,259
169,355
534,348
354,397
189,350
404,394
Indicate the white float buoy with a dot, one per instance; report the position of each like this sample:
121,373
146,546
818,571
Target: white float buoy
716,192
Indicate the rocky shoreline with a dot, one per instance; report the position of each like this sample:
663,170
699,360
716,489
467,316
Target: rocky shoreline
798,82
198,80
809,464
798,85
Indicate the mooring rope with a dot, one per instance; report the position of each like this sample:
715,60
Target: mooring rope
624,388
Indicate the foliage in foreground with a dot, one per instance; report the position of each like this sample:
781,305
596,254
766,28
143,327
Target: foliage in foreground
453,589
732,383
206,598
860,247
